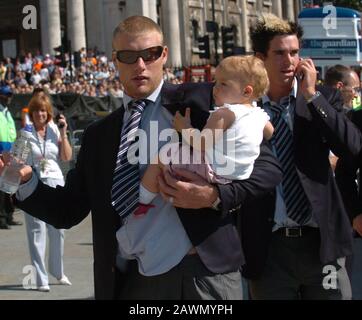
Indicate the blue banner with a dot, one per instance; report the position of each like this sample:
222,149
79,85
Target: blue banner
329,47
329,43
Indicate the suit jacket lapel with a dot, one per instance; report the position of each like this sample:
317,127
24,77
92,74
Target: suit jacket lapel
112,134
112,137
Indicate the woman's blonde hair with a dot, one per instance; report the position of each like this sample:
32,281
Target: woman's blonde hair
39,100
248,70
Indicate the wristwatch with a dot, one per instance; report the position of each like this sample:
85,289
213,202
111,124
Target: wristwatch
314,96
217,204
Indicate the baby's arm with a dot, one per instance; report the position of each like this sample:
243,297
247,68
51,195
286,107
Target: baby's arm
268,130
218,121
181,123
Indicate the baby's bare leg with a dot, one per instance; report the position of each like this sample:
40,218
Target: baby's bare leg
149,183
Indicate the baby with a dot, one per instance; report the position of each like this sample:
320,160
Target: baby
236,122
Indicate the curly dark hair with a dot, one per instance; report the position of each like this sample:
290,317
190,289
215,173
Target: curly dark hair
267,27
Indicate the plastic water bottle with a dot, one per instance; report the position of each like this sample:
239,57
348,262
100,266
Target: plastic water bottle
10,177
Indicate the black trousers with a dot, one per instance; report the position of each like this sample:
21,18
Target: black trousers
293,271
189,280
6,208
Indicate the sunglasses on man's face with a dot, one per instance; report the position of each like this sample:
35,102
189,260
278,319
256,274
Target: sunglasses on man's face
131,56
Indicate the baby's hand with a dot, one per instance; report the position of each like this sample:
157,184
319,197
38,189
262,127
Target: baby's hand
180,122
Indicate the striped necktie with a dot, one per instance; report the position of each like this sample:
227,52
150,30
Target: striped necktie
126,180
296,202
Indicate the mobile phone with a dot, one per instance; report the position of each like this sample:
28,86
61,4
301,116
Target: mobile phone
60,125
301,74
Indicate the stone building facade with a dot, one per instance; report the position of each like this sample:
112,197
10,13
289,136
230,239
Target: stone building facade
90,23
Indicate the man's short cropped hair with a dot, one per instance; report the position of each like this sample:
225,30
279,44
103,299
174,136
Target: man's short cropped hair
267,26
337,73
135,25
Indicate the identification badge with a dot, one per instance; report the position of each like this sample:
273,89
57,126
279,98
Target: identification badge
44,167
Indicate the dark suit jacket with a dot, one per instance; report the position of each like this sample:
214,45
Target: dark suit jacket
346,175
214,234
319,126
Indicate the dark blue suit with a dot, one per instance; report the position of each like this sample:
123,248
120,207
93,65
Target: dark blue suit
318,127
346,175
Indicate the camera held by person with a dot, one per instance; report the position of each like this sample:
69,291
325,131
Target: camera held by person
60,120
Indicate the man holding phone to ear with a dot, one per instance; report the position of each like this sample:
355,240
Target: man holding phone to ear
311,228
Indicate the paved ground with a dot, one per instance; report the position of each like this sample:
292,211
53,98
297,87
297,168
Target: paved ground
78,264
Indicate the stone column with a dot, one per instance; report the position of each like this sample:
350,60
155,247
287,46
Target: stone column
171,30
297,8
290,10
186,41
152,9
95,25
277,8
50,25
138,7
225,15
259,6
113,16
76,26
245,27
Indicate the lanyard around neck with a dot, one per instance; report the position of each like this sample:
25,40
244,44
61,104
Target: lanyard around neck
42,151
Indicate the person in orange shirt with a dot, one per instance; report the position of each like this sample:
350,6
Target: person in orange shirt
37,65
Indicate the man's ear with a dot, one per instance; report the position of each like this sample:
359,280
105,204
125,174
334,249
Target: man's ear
339,85
165,54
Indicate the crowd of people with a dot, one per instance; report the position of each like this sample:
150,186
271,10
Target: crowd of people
96,76
175,233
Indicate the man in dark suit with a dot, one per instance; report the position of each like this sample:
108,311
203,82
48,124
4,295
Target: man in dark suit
310,233
192,253
346,177
346,80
